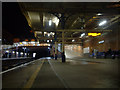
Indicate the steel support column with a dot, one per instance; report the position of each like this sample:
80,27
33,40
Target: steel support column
63,48
56,51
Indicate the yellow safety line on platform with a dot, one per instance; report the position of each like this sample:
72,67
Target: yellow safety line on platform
32,78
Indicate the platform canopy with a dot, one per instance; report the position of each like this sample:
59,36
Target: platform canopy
49,19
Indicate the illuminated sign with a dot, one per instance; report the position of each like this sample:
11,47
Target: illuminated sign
94,34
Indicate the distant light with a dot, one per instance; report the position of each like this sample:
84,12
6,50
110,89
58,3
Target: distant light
25,54
24,48
50,22
56,21
48,34
0,39
38,44
48,47
52,33
48,44
73,40
21,53
16,52
102,23
34,54
13,52
99,14
51,40
32,42
24,42
21,43
45,32
101,41
94,34
83,34
7,51
47,40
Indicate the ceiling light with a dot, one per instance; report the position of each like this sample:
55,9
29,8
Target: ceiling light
48,34
99,14
47,40
56,21
45,32
83,34
101,42
102,23
50,22
52,33
73,40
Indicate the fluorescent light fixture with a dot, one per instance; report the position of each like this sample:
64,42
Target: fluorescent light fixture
99,14
0,39
103,22
50,22
73,40
101,41
34,54
83,34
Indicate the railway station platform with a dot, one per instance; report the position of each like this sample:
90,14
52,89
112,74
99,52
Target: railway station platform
74,73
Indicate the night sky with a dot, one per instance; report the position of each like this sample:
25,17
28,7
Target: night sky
14,22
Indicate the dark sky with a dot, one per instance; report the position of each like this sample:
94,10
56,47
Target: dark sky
14,22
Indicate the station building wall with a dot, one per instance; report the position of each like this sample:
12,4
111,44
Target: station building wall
111,40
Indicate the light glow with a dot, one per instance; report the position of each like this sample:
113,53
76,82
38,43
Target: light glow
102,23
99,14
56,21
13,52
73,40
21,53
7,51
101,41
47,40
50,22
83,34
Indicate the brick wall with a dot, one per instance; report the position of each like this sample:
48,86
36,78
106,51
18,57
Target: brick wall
112,40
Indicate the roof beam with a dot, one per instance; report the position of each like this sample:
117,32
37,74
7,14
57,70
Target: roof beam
77,30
